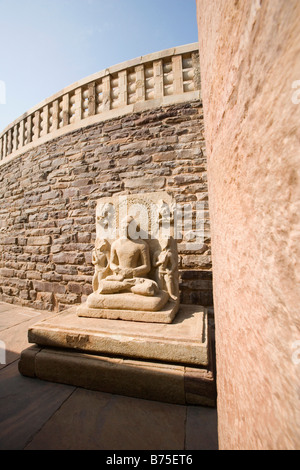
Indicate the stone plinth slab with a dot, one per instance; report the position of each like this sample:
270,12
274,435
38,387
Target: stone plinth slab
128,301
185,341
165,315
141,379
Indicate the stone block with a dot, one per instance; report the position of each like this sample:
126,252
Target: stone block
200,387
184,341
148,380
164,156
52,277
156,182
163,315
54,287
8,241
39,241
138,160
68,258
26,363
51,195
5,272
46,297
186,179
196,261
68,299
75,288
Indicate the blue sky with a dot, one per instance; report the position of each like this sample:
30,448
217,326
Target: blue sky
47,45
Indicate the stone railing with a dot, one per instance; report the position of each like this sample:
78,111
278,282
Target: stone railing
158,79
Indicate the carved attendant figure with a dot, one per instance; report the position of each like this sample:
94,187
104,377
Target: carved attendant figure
166,265
100,260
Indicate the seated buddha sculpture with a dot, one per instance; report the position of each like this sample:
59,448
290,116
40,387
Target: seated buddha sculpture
130,264
126,284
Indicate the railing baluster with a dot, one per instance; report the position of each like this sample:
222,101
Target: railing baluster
78,104
66,104
5,145
21,134
92,98
36,125
15,137
45,129
140,83
29,129
158,75
55,118
106,93
9,142
123,88
177,74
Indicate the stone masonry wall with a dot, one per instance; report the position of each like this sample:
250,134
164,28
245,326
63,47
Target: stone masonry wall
48,198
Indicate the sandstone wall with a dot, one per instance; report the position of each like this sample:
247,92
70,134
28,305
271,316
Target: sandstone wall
249,56
48,197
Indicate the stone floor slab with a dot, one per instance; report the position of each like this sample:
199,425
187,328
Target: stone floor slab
97,421
39,414
4,307
25,406
15,337
13,315
201,428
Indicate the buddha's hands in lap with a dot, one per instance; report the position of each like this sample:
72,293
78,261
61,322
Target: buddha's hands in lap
122,275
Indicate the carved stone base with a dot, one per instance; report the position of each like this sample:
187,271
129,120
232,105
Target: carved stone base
127,301
164,362
165,315
140,379
183,341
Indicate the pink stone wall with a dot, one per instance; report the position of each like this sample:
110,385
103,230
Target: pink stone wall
249,54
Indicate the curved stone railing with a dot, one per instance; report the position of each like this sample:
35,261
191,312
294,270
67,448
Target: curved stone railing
158,79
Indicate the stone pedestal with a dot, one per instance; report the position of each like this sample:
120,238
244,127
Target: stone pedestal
131,336
158,361
164,315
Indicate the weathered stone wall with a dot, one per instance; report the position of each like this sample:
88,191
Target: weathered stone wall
249,55
48,197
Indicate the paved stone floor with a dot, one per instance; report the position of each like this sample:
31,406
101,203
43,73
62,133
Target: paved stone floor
40,415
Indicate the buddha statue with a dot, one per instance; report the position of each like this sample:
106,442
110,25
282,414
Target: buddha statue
130,264
128,277
135,259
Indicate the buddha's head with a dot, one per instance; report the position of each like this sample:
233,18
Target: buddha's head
129,227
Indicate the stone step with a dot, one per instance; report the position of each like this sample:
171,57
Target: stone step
185,341
170,383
